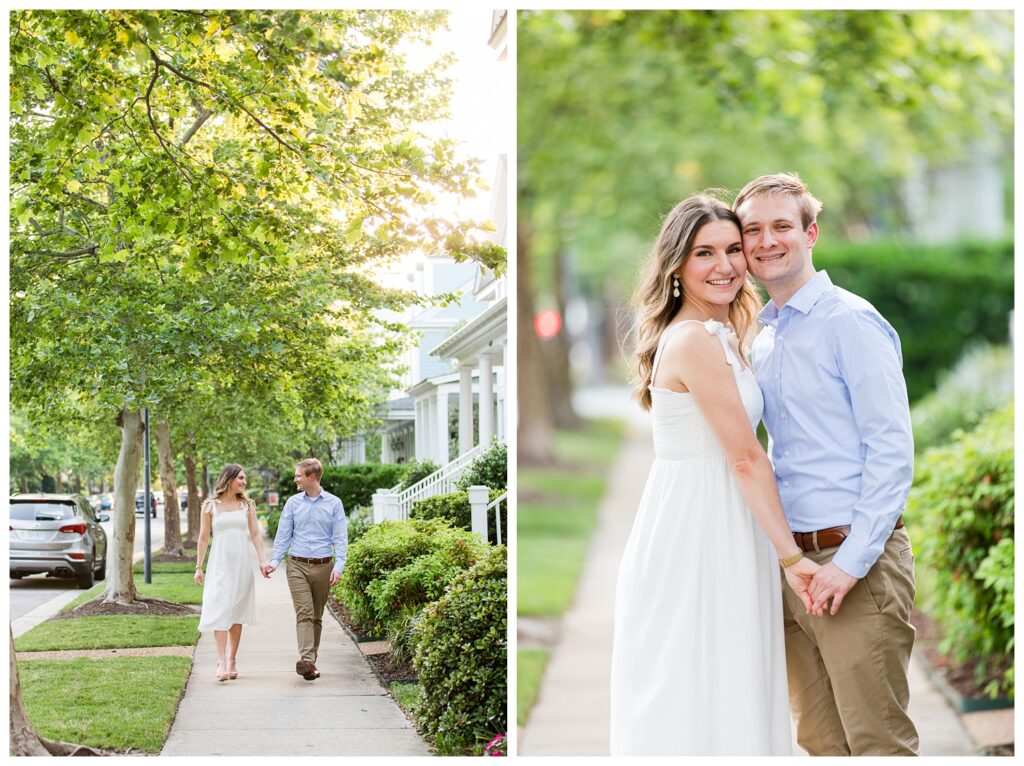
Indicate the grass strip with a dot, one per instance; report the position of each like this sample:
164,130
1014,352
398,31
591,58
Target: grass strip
407,695
529,671
115,704
557,513
170,586
109,632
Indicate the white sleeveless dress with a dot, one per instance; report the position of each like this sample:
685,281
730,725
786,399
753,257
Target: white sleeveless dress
698,664
229,592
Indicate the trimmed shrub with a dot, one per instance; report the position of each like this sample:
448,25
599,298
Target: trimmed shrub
359,520
417,471
354,484
397,567
981,382
273,519
455,508
939,298
489,470
461,649
962,502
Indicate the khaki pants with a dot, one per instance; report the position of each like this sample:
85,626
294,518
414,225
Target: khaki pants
848,673
310,585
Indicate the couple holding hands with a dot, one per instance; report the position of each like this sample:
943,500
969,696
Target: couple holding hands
711,650
312,525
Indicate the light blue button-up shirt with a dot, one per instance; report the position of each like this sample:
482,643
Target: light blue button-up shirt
310,527
838,420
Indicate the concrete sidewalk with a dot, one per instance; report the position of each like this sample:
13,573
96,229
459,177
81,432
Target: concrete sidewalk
270,710
573,708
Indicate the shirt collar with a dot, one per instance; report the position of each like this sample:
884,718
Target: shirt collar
313,499
803,300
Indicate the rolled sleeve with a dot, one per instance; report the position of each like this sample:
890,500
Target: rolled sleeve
869,359
283,538
339,538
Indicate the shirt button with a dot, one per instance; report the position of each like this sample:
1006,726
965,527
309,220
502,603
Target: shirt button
784,415
777,377
786,453
785,484
780,338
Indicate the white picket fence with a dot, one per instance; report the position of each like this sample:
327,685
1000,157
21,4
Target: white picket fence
395,503
481,509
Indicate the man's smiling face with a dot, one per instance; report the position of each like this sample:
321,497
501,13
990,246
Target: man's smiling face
777,248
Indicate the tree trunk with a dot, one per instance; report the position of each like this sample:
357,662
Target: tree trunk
169,485
193,496
556,357
120,583
206,481
535,424
24,739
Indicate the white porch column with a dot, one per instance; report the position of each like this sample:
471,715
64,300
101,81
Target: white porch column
465,409
385,447
421,430
486,401
502,393
360,449
441,421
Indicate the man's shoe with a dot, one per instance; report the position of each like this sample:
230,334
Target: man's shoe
307,670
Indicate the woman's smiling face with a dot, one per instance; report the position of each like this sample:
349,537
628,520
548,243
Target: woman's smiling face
715,268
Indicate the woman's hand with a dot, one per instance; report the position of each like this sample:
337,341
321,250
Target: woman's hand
199,577
799,577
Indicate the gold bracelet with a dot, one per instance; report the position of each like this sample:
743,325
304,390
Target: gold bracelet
787,563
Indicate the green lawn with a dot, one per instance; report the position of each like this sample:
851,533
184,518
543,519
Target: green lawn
557,513
109,632
114,704
529,669
168,585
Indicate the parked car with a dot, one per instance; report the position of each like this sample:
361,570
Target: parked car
59,535
140,502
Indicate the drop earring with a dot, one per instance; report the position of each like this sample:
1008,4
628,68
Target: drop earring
675,284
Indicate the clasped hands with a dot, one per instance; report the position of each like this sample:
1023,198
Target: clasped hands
814,585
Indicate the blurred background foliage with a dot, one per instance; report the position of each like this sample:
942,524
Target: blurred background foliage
895,119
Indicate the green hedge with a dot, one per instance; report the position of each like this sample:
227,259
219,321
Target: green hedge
455,508
962,504
397,567
460,656
489,470
981,382
359,521
354,484
416,471
939,298
273,519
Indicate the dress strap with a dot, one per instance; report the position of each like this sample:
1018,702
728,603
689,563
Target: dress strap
714,327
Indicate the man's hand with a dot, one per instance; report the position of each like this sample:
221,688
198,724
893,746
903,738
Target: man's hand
335,578
799,577
268,569
830,582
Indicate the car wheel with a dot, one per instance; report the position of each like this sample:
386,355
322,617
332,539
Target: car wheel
17,575
85,579
101,573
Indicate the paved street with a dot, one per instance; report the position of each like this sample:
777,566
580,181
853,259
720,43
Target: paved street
33,592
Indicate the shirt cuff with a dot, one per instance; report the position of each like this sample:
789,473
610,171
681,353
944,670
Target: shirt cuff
851,558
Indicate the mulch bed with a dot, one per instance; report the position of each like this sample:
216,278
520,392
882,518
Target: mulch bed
164,558
141,606
961,676
357,631
389,670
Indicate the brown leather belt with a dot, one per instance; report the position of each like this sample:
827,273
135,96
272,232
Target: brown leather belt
311,561
827,538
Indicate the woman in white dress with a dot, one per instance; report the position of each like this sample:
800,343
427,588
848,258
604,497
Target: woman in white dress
698,665
229,597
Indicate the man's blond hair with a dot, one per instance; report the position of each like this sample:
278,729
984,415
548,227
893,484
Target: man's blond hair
786,184
311,467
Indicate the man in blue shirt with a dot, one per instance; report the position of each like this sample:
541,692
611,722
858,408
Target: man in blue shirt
312,523
830,368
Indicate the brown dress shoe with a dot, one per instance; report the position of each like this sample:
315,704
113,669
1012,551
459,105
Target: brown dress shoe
306,669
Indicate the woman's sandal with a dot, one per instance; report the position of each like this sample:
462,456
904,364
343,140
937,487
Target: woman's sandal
221,676
232,673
